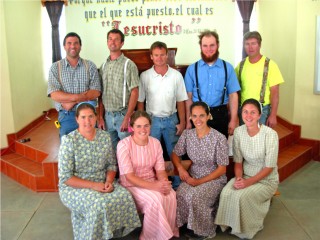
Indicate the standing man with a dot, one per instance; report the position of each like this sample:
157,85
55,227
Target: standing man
120,81
72,80
213,80
164,91
259,78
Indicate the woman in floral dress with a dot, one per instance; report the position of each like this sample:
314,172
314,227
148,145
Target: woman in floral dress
100,207
198,194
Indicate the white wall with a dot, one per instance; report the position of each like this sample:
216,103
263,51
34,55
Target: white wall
6,120
289,38
93,34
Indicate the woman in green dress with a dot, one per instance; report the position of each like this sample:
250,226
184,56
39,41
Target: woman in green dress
100,207
245,200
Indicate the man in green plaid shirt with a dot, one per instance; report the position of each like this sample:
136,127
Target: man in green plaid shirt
120,81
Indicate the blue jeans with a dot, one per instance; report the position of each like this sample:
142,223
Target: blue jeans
265,114
67,120
263,118
113,121
166,127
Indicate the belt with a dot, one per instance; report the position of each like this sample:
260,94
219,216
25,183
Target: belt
121,110
66,111
173,114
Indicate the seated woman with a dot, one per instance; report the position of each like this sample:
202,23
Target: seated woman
142,172
245,200
198,194
100,207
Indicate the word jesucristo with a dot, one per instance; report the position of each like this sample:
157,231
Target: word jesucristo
146,29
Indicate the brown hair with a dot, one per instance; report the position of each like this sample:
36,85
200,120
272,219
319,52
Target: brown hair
138,114
116,31
208,33
71,34
253,34
158,44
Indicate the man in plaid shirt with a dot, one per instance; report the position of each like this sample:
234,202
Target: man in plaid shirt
120,81
72,80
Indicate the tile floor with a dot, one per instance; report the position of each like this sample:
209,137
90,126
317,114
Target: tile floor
294,215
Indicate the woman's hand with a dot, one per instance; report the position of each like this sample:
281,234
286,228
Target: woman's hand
183,174
108,187
241,183
163,186
193,181
100,187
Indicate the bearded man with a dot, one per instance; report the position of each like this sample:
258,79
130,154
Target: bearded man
213,80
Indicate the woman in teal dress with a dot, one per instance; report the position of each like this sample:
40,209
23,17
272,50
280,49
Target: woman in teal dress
100,207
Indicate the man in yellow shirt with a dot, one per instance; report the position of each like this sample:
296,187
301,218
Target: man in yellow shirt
259,78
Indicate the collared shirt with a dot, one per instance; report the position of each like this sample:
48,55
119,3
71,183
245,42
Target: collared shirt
74,80
112,77
162,92
211,82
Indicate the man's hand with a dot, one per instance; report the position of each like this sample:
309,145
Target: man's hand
232,125
271,121
125,124
188,125
101,124
180,127
68,106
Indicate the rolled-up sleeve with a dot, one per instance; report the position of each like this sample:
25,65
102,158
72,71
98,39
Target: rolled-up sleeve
53,81
95,83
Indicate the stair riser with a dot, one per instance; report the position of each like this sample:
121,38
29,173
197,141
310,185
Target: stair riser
46,183
30,153
294,165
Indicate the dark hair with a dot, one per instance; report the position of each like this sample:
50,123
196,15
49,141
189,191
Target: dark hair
85,105
116,31
71,34
138,114
254,102
204,105
208,33
158,44
253,34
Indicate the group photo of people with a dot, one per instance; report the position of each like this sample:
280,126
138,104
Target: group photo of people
150,151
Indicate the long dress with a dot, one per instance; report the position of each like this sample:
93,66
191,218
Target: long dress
159,210
197,205
94,215
245,209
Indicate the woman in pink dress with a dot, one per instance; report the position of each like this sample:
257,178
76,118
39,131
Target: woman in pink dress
142,172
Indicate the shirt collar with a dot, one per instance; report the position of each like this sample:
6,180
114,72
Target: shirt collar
120,58
80,62
217,63
154,73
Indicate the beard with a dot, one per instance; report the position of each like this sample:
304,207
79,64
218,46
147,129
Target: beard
210,59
